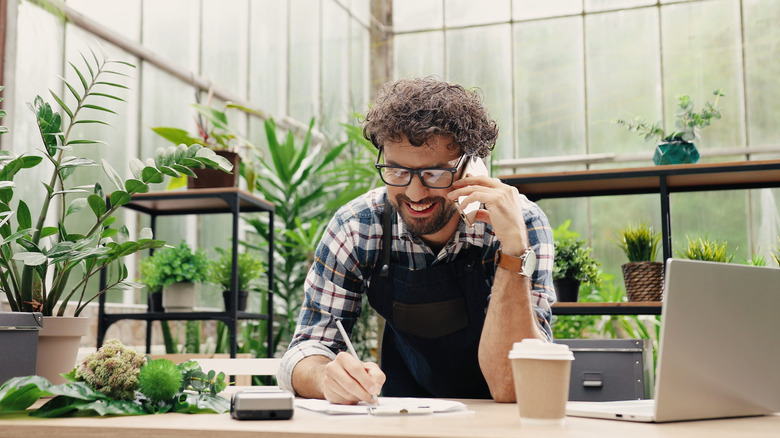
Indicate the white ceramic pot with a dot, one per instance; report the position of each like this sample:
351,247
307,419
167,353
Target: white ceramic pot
179,297
58,345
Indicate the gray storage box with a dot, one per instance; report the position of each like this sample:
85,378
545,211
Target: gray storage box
610,369
18,343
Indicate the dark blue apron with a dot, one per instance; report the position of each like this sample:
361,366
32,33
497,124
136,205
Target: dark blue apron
434,318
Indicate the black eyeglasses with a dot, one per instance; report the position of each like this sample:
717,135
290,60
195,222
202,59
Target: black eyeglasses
431,177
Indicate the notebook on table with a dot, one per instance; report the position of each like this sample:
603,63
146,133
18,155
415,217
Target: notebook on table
719,347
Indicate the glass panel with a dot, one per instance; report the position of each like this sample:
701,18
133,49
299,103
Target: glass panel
224,44
267,64
481,57
418,54
762,51
335,68
468,12
605,5
529,9
359,61
417,14
361,9
549,90
624,79
698,58
304,60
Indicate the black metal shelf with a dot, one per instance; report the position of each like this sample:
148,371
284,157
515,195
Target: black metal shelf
662,180
229,200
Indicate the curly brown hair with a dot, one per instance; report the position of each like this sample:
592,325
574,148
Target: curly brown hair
419,108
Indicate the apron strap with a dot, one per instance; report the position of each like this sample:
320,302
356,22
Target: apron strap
387,239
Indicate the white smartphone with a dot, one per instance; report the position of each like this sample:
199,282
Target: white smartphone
474,167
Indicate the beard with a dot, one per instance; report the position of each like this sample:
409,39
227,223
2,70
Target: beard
444,209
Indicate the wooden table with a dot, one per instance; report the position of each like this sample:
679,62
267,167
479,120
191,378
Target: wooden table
488,420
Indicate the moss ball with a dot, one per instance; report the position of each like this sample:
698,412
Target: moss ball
160,380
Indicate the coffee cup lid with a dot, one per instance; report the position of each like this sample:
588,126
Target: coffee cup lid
538,349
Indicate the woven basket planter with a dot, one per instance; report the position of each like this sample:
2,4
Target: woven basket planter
644,281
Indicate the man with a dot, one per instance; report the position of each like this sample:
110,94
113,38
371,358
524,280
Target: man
454,297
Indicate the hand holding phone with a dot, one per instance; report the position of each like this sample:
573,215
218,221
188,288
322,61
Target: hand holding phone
474,167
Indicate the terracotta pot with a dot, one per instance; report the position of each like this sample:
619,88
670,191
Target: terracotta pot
58,345
211,178
179,297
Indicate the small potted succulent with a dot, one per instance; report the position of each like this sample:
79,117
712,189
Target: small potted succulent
677,147
574,264
643,276
249,270
176,270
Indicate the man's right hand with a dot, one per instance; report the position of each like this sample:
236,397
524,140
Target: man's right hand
348,380
344,380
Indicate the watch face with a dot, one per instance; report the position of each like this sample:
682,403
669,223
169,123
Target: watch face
529,264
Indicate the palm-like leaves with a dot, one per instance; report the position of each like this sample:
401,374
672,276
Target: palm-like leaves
34,253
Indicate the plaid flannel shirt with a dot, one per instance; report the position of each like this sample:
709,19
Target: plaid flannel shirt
350,249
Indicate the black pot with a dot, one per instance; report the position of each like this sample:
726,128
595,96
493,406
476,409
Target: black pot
155,302
242,296
567,290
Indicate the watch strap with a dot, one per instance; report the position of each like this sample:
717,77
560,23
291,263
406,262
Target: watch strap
512,263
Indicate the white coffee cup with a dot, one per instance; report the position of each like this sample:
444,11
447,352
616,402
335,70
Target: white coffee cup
542,371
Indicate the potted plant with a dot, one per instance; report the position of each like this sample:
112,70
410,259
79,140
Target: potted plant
213,132
46,262
221,273
573,264
176,269
643,276
705,249
677,147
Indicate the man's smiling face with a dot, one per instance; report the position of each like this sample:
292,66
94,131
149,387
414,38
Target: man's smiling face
425,211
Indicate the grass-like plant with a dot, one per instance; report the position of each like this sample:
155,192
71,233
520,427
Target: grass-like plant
221,270
639,242
705,249
775,252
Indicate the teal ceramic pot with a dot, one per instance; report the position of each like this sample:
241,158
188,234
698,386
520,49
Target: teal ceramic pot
678,152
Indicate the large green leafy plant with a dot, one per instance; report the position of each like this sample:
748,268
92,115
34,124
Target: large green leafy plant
307,183
44,264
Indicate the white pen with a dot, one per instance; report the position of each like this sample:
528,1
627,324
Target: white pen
352,350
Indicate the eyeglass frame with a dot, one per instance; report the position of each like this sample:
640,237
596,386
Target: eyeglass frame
417,172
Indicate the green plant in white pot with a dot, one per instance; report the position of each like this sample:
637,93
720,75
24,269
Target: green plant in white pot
46,262
221,272
643,276
676,146
177,270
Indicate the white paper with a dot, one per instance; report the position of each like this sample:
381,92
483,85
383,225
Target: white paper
325,407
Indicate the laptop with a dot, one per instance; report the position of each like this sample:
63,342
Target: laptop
719,347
